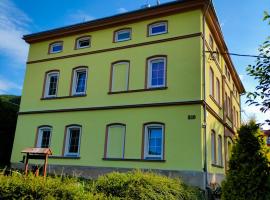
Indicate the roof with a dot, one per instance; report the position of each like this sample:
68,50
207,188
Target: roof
37,151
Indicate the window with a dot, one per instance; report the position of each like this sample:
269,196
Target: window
213,147
229,150
83,42
44,137
211,42
237,120
56,47
122,35
119,76
153,141
79,81
217,55
51,84
220,158
234,116
115,141
268,140
72,142
229,107
156,72
211,82
218,91
157,28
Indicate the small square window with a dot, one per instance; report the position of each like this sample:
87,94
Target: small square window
56,47
83,42
158,28
122,35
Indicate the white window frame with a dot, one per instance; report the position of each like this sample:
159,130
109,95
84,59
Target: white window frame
124,138
149,73
146,142
151,26
83,38
121,31
67,153
75,81
55,44
40,135
47,84
213,147
113,67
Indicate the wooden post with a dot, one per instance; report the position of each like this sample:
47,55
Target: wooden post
45,166
26,165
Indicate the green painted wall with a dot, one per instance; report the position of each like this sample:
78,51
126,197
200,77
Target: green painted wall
182,136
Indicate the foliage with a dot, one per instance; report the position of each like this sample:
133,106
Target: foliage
139,185
18,186
8,118
114,186
248,176
261,72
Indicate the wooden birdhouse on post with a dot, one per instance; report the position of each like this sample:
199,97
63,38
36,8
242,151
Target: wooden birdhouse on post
37,154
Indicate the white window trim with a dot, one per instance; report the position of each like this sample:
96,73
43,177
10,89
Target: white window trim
150,33
68,154
121,31
47,84
74,81
127,78
146,146
55,44
149,73
40,135
83,38
124,139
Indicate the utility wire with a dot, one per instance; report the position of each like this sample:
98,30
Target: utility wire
240,55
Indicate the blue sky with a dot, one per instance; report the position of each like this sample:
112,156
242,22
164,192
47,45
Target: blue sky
241,22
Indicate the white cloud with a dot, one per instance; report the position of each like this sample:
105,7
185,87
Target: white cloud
6,86
79,16
14,24
122,10
254,111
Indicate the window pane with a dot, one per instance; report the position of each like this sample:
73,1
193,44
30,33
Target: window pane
56,48
45,141
84,43
213,147
123,35
115,141
211,81
154,140
158,28
52,84
81,80
157,73
74,139
219,150
120,77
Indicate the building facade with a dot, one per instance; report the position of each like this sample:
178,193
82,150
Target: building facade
149,89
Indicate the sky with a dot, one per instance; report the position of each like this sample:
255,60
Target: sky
241,23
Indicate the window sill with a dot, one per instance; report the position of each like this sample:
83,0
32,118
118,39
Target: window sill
156,34
65,157
217,166
215,101
139,90
63,97
132,159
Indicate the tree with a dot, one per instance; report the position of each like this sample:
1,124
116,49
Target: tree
261,72
248,176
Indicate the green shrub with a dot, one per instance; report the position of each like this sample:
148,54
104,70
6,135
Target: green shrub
139,185
29,187
248,176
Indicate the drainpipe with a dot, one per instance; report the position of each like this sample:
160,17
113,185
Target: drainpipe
205,168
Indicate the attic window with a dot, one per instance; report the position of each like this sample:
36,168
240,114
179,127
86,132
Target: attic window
158,28
56,47
83,42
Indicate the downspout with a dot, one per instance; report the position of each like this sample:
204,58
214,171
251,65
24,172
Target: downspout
205,168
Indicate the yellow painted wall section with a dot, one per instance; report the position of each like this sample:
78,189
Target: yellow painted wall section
178,24
182,136
215,125
183,76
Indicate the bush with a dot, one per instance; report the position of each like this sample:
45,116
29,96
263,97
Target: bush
138,185
18,186
248,176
